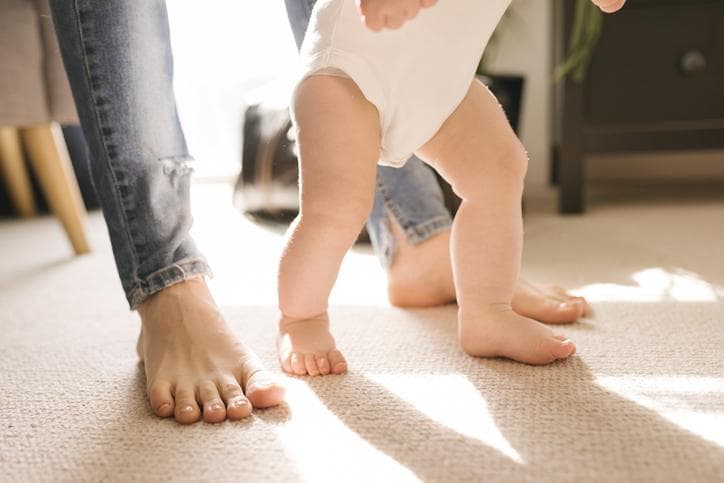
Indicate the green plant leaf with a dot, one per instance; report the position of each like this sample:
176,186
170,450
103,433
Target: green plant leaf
585,32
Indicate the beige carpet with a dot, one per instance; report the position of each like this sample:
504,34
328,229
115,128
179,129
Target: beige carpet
643,400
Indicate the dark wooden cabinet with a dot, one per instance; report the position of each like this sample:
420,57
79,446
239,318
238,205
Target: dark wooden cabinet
656,82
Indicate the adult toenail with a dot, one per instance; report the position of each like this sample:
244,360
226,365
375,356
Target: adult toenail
186,409
262,384
216,407
164,406
568,305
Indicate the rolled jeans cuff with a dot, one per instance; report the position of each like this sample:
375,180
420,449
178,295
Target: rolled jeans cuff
155,282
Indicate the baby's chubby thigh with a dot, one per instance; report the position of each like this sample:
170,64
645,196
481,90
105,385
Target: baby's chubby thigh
475,149
338,136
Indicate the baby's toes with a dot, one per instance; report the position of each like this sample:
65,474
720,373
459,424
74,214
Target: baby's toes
337,362
298,366
565,312
322,363
286,362
561,347
311,365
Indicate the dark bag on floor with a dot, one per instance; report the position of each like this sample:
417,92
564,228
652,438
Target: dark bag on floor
267,188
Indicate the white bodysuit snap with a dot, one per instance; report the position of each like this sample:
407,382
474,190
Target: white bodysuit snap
415,76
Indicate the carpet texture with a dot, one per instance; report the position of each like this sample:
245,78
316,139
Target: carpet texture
643,400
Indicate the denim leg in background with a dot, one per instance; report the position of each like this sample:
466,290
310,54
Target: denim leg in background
410,195
118,58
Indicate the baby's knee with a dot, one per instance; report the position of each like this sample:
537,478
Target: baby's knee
506,171
512,163
347,215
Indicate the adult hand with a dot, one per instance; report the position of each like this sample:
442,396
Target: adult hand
390,14
609,6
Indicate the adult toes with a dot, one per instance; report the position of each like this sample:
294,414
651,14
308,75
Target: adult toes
186,409
237,405
337,363
214,408
161,399
261,387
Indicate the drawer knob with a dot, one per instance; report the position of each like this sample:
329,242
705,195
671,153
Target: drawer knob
692,62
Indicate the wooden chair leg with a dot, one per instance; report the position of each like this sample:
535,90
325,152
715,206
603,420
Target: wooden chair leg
13,169
49,157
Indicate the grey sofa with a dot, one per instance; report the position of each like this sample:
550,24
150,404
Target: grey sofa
34,99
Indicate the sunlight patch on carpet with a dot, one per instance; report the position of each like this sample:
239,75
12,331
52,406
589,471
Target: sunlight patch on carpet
677,399
655,285
322,447
453,401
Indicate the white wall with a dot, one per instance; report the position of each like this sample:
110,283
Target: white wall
525,48
222,50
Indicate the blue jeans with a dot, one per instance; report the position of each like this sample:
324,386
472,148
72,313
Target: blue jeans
118,59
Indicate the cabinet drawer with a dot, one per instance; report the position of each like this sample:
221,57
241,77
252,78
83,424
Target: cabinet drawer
658,62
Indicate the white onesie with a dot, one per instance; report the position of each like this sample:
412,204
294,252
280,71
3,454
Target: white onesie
415,76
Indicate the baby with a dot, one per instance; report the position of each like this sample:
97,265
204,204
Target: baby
378,91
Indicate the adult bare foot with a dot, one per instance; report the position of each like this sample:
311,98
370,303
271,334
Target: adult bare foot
194,365
421,276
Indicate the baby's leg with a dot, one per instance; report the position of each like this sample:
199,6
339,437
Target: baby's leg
477,152
338,139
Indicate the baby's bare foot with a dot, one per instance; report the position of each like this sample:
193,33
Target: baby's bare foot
391,14
306,346
549,304
421,276
194,365
500,332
